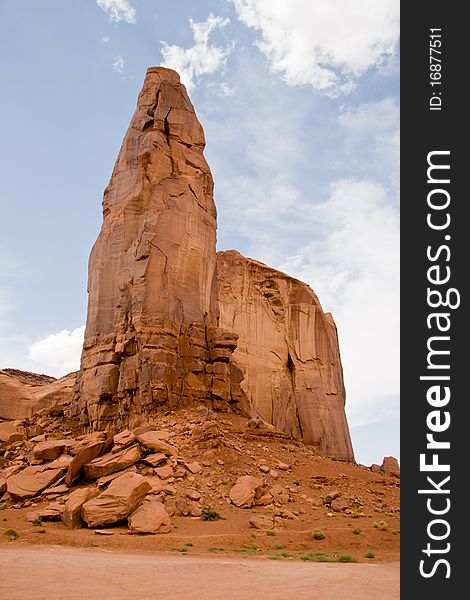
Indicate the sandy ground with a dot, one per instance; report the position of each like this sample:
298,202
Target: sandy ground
58,573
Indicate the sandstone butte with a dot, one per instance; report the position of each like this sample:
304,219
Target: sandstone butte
172,323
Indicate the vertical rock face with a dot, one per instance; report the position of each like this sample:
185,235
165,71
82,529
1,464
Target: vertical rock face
165,314
151,337
287,350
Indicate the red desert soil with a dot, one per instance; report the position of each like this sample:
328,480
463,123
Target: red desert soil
61,573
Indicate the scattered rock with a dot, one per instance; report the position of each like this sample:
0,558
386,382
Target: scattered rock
338,505
193,494
193,467
164,472
264,468
280,494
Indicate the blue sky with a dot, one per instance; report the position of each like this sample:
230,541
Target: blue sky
300,105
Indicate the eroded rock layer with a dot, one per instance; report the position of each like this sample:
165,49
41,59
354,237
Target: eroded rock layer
288,351
151,338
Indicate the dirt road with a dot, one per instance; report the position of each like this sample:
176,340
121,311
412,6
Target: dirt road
58,573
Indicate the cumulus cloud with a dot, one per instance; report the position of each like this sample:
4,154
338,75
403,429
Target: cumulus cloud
323,44
118,64
353,265
118,10
59,351
201,59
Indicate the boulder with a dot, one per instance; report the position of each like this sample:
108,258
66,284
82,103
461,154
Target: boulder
331,496
245,490
150,517
338,505
117,502
390,466
153,460
164,472
32,480
152,441
86,453
193,467
123,440
112,462
51,449
71,515
261,522
279,494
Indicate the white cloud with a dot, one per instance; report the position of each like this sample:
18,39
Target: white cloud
375,127
105,39
59,351
118,10
325,44
118,64
202,58
353,266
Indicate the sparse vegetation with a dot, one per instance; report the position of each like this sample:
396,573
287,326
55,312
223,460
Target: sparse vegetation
354,515
209,514
357,531
278,555
214,549
381,525
270,532
279,547
189,544
345,558
318,534
182,549
247,549
37,522
317,557
369,554
12,534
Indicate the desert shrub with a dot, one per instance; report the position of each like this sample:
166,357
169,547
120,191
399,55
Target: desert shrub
318,534
209,514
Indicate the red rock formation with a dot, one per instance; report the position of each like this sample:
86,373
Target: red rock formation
287,350
154,337
151,338
22,393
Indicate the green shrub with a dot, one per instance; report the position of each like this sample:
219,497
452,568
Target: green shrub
209,514
345,558
271,532
318,534
37,522
357,531
369,554
12,534
381,525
